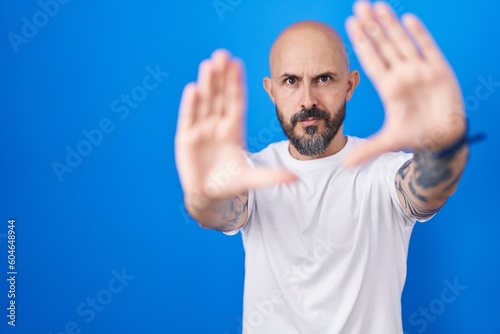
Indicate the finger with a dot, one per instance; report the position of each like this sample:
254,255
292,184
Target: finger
205,88
251,179
188,106
394,29
220,60
375,146
423,38
371,26
235,92
368,57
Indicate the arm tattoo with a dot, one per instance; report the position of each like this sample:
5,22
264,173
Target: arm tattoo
230,211
424,177
403,171
414,209
415,192
431,171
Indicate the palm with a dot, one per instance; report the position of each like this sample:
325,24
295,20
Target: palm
209,156
419,91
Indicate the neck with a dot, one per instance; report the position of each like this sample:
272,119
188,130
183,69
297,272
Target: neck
338,142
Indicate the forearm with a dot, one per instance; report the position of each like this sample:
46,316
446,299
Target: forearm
221,214
425,182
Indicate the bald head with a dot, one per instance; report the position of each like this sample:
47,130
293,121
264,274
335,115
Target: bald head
310,85
311,39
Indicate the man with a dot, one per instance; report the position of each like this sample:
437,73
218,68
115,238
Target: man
326,218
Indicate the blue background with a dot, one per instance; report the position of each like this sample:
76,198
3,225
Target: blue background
120,208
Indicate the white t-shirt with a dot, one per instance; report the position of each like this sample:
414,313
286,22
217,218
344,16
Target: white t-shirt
326,254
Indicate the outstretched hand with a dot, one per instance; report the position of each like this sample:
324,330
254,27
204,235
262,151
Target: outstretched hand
420,94
208,145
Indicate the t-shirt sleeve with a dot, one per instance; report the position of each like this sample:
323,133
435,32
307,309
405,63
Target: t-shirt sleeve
391,165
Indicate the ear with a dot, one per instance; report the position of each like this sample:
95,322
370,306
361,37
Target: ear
268,86
352,83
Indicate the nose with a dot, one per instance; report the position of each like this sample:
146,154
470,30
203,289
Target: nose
309,98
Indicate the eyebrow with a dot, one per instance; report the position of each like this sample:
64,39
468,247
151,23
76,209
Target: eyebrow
327,73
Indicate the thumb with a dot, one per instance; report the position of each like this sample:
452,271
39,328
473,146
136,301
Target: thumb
375,146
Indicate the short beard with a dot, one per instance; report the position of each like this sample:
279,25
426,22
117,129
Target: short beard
313,143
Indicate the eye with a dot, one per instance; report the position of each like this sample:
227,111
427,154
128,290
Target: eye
324,78
291,81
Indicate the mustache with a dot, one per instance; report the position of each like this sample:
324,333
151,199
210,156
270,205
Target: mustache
313,112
